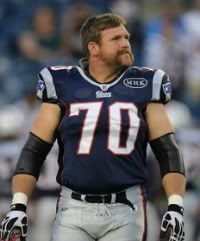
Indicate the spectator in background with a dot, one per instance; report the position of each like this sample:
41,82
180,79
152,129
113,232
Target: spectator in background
163,46
15,119
71,23
191,21
102,6
12,136
41,41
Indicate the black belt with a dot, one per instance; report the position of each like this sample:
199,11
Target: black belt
119,197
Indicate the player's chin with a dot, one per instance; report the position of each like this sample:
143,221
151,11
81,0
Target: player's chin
125,60
126,63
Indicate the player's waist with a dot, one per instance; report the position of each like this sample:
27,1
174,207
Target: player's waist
127,196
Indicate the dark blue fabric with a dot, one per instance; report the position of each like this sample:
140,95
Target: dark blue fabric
101,170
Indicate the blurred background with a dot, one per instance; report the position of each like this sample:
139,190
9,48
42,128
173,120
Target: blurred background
39,33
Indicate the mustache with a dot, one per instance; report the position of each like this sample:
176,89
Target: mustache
126,51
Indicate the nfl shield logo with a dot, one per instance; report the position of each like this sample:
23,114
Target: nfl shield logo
40,87
104,87
167,88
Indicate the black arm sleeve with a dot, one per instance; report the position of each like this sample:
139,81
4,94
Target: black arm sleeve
32,156
168,154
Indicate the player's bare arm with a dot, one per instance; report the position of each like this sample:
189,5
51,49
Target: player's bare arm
46,122
157,120
43,127
170,159
30,161
159,125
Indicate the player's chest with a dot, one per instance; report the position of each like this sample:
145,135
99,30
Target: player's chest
101,112
104,104
122,91
116,121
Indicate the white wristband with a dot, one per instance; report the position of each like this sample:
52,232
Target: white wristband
20,197
175,199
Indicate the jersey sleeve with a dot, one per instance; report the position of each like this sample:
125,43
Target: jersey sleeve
46,90
161,87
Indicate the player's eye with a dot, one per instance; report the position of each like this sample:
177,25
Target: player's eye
116,38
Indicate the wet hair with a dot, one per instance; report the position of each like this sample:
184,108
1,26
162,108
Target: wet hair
92,27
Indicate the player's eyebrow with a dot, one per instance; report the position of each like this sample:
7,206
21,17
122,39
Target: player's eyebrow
126,35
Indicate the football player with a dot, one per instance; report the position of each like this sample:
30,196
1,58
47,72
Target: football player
102,113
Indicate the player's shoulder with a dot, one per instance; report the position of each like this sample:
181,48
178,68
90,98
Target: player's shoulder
145,71
51,81
156,79
57,71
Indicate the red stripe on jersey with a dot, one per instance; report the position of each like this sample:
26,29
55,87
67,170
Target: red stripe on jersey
144,236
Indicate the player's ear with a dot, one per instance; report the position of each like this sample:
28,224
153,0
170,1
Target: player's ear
93,49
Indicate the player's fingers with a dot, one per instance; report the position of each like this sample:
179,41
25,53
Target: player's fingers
183,237
181,234
165,235
5,236
15,234
1,233
4,223
178,230
24,226
164,228
11,235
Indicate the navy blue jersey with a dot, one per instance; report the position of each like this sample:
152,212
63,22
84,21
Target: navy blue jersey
103,133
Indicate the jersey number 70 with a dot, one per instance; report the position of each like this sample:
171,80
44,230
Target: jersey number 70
93,112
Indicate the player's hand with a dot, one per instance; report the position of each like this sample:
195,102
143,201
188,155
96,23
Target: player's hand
172,226
14,225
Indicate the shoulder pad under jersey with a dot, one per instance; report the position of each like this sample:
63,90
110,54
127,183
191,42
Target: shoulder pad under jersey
49,80
161,87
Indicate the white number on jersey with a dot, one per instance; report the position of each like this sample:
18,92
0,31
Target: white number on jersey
115,124
93,110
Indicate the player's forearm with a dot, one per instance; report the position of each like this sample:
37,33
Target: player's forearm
174,183
23,183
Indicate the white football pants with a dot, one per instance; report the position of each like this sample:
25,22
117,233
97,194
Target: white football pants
83,221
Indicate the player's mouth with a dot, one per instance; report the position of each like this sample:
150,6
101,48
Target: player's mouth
125,53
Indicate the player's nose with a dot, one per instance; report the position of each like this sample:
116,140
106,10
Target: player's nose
124,43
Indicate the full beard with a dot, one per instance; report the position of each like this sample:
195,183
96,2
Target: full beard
116,61
122,52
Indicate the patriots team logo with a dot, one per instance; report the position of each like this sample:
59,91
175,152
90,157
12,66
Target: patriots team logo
102,94
167,88
40,87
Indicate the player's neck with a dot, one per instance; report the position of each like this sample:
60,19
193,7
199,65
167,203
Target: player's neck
102,73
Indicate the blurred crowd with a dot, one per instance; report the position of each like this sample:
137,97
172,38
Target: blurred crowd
39,33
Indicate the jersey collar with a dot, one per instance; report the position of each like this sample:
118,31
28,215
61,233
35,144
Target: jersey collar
83,70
